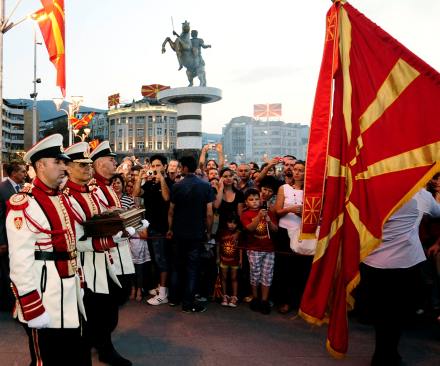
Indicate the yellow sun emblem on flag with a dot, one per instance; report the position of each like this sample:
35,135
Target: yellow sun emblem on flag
229,248
261,228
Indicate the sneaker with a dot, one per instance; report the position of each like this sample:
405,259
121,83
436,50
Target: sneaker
153,291
265,307
157,300
254,305
225,301
233,302
196,308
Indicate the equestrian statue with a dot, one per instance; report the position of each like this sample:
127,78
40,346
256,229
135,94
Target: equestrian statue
189,53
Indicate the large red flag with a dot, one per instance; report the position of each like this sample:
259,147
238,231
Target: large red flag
384,145
51,22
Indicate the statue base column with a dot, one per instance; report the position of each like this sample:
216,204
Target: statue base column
189,102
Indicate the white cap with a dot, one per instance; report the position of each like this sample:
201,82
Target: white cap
79,152
103,149
50,147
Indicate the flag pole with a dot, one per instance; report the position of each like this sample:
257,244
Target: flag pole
2,26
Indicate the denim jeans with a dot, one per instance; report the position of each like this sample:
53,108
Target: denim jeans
185,266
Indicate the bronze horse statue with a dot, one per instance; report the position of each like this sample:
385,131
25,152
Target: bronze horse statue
188,53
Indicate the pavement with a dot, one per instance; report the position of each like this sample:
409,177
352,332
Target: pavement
162,335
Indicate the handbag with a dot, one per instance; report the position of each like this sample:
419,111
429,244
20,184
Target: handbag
302,246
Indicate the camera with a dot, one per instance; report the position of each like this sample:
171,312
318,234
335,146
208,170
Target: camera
212,146
151,172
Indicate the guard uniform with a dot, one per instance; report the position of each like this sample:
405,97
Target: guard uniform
45,274
103,287
121,254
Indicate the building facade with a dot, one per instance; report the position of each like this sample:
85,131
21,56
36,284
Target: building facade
13,130
248,139
143,128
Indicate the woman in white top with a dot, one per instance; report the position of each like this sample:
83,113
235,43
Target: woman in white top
291,270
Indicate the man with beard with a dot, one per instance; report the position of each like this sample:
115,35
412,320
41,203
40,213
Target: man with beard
44,266
100,298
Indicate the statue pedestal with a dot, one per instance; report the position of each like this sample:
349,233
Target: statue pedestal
189,102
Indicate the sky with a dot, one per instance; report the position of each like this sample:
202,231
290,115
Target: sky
262,51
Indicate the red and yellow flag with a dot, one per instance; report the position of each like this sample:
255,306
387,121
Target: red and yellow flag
151,91
113,100
83,122
51,22
267,110
383,146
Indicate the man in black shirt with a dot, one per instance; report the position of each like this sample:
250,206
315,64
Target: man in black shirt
154,187
190,221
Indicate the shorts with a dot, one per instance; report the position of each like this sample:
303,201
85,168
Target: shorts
261,267
229,265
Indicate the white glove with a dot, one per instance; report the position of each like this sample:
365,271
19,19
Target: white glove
212,241
81,290
130,230
145,224
41,321
118,237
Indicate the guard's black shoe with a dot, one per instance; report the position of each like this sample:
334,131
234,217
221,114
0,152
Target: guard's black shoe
113,358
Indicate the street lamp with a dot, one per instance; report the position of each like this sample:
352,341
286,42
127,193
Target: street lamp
83,136
34,94
73,108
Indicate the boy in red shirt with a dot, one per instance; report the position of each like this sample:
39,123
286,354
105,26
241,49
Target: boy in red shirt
258,223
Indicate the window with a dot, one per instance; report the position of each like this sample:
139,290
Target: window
140,132
150,131
158,119
112,121
140,119
150,145
130,120
130,132
150,118
159,131
120,146
165,118
159,146
140,145
123,120
119,133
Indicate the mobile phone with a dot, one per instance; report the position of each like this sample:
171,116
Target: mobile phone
264,205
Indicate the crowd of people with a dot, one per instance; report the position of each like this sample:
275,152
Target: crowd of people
213,231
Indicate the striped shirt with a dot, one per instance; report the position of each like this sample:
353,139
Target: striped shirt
126,201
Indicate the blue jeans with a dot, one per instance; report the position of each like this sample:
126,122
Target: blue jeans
185,261
160,250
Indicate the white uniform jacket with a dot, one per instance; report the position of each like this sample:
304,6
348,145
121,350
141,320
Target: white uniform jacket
121,254
42,251
94,254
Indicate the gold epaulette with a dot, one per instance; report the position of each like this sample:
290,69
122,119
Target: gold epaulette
20,200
